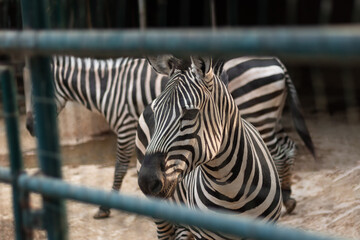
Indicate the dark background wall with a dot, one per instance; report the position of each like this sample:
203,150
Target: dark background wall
332,82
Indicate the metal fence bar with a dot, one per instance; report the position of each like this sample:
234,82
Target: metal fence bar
47,141
54,217
310,43
12,133
218,222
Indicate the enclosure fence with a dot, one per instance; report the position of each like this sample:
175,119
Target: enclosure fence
316,44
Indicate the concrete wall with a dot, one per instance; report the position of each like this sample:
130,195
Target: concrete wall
77,124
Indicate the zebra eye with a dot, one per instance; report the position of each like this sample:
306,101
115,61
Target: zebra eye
190,114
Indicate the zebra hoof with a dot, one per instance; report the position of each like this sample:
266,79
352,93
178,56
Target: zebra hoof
102,213
290,205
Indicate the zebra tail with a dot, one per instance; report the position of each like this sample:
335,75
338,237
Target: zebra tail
297,115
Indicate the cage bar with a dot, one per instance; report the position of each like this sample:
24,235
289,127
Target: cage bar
20,202
214,221
54,217
312,44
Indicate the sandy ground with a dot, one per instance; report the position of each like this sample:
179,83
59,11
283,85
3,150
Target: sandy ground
327,191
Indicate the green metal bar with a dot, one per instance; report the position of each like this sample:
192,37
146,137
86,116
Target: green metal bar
214,221
54,217
12,134
312,44
48,146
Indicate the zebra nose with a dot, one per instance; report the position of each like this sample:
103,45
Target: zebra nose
151,178
155,186
149,182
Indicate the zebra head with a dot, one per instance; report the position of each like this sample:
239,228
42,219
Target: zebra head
187,129
31,116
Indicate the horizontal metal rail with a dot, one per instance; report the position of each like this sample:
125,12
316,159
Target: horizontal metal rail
312,44
218,222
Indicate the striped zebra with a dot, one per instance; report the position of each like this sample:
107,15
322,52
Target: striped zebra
260,86
119,89
194,148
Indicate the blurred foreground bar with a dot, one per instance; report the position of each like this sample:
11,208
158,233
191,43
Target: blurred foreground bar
338,44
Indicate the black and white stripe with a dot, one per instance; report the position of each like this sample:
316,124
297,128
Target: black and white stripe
119,89
259,86
193,147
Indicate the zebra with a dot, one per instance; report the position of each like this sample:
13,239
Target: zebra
260,87
119,89
193,147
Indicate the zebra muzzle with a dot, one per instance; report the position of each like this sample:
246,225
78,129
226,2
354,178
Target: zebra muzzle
151,177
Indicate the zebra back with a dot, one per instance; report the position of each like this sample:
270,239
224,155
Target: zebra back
113,87
260,86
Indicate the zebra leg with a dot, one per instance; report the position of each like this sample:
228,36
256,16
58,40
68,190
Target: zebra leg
125,149
289,202
284,158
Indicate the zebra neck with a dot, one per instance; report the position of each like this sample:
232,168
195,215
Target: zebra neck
227,160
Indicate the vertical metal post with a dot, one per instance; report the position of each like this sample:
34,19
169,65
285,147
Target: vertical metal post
20,200
47,140
54,219
213,14
142,14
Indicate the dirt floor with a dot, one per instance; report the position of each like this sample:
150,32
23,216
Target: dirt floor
327,190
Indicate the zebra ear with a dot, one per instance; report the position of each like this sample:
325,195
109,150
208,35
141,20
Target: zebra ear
202,67
163,64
